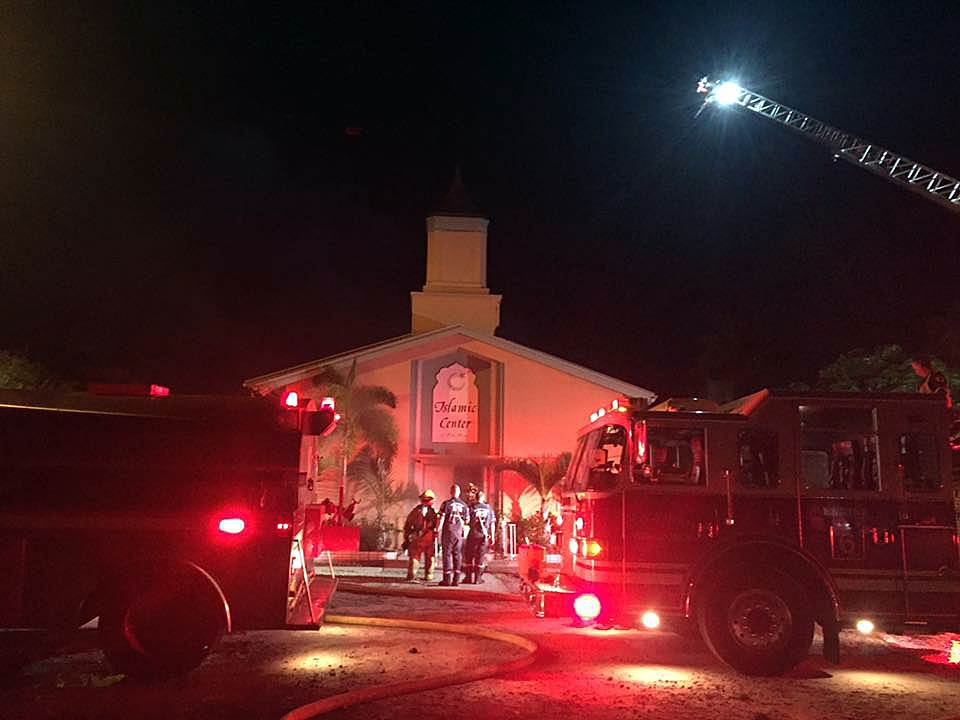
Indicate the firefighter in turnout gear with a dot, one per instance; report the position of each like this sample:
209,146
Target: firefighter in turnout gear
454,517
419,531
482,523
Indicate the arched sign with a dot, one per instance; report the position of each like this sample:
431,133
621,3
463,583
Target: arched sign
456,406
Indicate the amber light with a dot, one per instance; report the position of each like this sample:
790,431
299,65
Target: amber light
591,548
954,657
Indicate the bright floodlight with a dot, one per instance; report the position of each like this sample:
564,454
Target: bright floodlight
727,93
865,626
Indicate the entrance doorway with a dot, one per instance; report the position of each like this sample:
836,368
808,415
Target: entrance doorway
464,475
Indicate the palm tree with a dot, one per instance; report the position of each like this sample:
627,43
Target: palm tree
372,474
366,420
542,473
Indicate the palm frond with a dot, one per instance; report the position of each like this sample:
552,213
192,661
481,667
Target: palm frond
379,430
370,395
542,474
525,468
329,378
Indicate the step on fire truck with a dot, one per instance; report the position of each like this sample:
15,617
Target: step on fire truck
172,519
752,522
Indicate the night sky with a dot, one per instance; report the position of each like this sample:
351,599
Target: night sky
197,195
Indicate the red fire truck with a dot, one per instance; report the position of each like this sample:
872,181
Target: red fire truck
172,519
752,522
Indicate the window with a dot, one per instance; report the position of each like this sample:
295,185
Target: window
673,456
838,448
601,463
576,463
758,459
918,462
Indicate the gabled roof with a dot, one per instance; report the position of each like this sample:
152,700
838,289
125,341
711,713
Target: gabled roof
269,381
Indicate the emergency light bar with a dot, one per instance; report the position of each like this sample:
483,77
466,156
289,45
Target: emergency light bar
128,389
617,405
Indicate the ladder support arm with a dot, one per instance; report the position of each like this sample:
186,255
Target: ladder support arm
899,169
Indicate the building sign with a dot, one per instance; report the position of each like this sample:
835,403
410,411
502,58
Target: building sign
455,407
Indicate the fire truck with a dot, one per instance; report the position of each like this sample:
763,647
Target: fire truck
751,522
172,519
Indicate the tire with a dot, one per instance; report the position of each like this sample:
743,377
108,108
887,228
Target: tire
758,621
162,624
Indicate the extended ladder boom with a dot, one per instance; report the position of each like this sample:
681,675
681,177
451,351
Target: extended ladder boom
932,184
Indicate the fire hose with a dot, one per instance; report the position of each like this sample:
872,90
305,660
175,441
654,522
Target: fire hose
380,692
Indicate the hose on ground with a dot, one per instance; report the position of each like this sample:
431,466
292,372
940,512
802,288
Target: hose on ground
380,692
436,593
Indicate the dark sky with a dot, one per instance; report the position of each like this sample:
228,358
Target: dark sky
181,200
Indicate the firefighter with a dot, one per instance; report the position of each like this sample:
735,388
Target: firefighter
482,523
418,536
454,517
931,381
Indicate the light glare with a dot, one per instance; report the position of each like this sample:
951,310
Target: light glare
232,526
587,607
650,620
727,93
865,626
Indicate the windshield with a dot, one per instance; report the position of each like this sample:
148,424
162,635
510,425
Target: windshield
600,458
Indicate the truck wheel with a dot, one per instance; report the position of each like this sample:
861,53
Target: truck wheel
162,624
758,621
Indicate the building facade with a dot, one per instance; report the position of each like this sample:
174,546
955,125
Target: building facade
467,400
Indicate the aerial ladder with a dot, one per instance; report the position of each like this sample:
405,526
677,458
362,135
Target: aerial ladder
934,185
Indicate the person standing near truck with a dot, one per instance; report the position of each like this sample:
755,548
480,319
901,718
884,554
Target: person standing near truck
932,382
418,535
482,523
454,517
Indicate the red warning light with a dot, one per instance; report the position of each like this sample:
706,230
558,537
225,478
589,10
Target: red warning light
231,525
328,402
291,399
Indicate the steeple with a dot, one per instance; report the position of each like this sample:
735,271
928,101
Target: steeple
456,291
457,203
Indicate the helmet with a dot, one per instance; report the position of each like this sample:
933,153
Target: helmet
427,495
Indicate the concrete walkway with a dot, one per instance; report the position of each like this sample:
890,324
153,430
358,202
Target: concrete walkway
395,577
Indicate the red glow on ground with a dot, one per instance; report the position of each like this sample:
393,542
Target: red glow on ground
949,657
